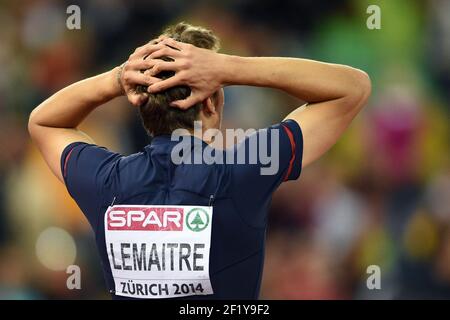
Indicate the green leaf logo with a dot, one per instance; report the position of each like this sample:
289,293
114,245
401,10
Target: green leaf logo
197,220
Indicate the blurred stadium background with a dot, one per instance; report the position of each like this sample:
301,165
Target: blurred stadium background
381,196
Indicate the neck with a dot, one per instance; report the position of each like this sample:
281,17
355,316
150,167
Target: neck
199,132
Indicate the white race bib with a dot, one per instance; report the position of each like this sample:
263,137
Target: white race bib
159,251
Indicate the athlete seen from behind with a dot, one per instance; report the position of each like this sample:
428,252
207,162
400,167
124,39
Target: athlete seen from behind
195,230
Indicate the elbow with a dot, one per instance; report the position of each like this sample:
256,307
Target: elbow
365,86
32,123
358,90
362,87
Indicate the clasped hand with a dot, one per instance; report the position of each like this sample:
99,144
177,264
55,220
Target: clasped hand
194,67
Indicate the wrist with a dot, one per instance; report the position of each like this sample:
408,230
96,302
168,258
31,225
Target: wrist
115,83
230,67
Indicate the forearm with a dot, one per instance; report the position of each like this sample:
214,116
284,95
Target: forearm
69,106
308,80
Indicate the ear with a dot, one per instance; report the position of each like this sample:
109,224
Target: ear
209,106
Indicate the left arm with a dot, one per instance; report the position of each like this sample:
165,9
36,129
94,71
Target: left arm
53,124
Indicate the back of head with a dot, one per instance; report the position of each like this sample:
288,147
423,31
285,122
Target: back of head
157,116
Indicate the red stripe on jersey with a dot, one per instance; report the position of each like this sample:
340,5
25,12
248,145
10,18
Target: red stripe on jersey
291,162
65,162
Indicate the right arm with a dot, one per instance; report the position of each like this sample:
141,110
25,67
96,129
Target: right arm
334,93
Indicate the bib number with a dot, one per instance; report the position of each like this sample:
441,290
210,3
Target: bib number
159,251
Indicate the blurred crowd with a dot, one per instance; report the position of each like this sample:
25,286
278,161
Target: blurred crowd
380,197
